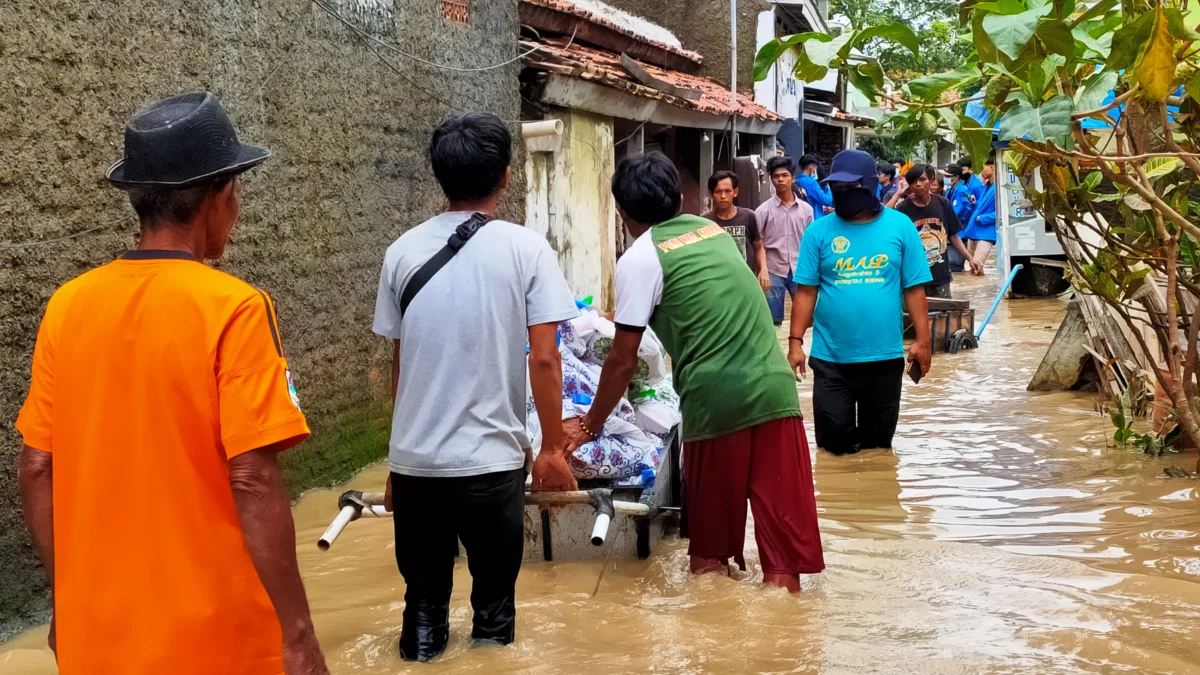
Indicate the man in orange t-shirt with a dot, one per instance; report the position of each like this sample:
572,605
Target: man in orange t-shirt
160,397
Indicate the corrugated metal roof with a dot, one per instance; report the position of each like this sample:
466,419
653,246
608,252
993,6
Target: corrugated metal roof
559,55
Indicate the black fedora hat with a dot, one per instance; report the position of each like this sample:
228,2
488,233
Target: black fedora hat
180,141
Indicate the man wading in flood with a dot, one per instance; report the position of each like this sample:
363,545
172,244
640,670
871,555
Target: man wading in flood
781,221
160,399
743,434
938,227
741,224
458,446
856,268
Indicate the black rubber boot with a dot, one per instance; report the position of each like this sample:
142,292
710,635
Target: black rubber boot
423,643
426,630
495,623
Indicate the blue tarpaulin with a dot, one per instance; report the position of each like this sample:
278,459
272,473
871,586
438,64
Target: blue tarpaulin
977,112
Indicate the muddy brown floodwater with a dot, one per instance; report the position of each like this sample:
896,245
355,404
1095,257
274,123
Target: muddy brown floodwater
1000,536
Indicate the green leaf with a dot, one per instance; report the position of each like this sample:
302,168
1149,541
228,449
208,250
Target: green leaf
1193,88
1036,85
806,70
822,53
1051,64
1107,197
1094,90
1001,7
863,82
1093,180
950,118
873,70
964,11
1129,41
1176,26
1098,46
1049,122
1098,29
1057,38
897,115
1189,252
975,139
999,67
927,89
984,46
1161,166
1011,32
771,51
1099,9
894,32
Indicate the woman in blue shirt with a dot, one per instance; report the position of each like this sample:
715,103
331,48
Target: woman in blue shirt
981,229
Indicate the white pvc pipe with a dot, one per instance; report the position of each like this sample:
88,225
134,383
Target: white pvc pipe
374,501
600,529
343,519
335,528
541,128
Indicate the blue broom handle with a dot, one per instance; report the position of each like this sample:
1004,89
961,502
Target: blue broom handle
999,296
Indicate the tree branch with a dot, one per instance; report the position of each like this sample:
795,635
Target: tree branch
1169,138
912,104
1182,404
1115,102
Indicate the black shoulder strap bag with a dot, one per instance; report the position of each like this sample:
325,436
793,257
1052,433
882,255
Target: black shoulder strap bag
462,234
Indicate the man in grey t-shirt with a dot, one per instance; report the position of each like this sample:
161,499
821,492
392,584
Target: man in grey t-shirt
458,443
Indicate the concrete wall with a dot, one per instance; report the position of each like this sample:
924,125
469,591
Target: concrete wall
349,174
568,200
703,26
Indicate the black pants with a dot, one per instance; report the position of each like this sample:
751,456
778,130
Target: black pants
856,405
938,290
431,515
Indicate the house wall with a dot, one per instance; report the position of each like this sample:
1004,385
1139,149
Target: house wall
703,26
348,176
569,201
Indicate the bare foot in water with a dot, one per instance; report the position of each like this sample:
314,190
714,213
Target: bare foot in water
711,565
788,581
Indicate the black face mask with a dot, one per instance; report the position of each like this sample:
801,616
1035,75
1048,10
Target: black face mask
855,203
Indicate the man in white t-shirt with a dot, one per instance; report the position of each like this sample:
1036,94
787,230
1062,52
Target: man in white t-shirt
458,444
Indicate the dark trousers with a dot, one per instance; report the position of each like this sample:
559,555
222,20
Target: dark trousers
938,290
957,264
856,405
486,513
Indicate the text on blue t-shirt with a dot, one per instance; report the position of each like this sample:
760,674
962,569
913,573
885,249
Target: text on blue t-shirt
861,271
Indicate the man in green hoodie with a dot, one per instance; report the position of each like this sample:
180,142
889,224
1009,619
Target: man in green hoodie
743,435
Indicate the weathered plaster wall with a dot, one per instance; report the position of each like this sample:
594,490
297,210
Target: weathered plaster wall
703,26
569,200
349,174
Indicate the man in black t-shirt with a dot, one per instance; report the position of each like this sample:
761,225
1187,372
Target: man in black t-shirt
741,224
938,227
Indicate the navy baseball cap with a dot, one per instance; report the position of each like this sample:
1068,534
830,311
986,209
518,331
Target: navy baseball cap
851,166
953,170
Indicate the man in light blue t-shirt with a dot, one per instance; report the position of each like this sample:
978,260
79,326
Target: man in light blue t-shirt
858,268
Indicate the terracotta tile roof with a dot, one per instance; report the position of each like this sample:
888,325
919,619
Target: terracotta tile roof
569,7
559,55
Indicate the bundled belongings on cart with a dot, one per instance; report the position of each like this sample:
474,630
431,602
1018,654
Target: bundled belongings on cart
627,476
629,448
